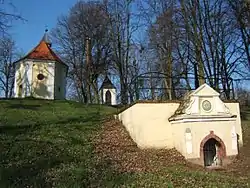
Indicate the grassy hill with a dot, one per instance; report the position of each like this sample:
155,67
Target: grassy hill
45,143
67,144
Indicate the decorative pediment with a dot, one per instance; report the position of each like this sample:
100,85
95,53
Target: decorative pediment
205,90
204,102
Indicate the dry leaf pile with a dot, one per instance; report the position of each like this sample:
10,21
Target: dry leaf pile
114,144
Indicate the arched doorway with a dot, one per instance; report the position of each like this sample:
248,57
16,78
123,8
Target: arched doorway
108,97
212,150
210,153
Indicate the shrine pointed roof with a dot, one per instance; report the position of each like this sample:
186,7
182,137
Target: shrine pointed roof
107,84
43,51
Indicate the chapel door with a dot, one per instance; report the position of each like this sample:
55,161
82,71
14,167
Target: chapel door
108,97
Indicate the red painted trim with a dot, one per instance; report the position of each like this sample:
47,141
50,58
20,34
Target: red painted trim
222,150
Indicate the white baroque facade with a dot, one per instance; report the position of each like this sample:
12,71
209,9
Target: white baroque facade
193,126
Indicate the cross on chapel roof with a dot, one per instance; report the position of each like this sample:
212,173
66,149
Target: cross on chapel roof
46,38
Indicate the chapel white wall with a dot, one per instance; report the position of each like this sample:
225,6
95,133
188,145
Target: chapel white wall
17,75
20,78
51,80
60,81
28,78
24,76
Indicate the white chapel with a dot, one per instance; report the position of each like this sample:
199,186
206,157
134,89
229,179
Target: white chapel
41,73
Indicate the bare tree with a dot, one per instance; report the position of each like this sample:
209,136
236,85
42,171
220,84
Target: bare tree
190,42
123,23
163,37
200,40
7,15
82,38
7,71
241,11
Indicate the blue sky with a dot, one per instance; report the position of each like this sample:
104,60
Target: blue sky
38,14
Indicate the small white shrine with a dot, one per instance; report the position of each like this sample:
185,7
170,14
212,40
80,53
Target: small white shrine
108,92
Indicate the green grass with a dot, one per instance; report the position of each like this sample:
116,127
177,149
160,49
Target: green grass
50,144
45,143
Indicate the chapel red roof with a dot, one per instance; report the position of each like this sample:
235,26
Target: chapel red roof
43,51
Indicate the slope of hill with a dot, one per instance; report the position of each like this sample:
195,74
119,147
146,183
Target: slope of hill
45,143
67,144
